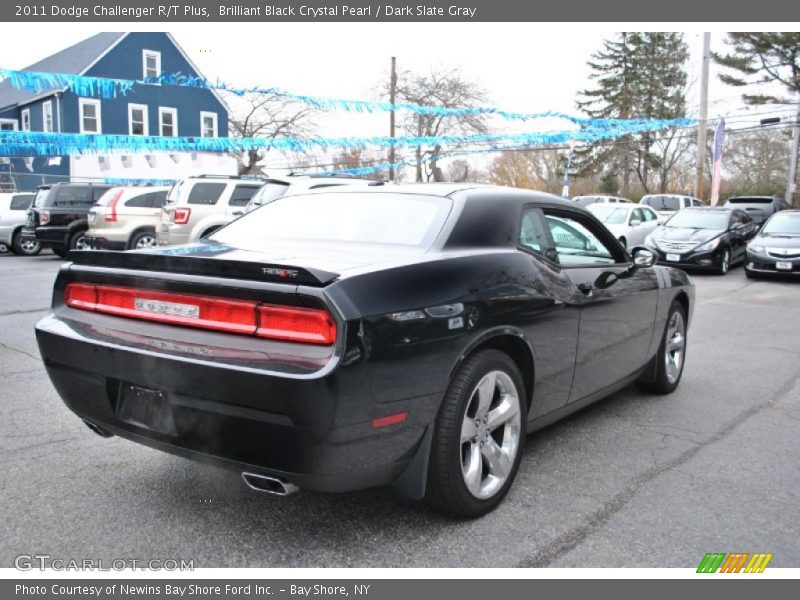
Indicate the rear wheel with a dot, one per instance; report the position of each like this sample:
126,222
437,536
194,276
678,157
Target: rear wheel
671,355
479,436
78,241
25,247
142,240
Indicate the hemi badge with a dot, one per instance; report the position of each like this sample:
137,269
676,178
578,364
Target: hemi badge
160,307
280,272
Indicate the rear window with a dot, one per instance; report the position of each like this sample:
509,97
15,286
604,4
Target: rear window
41,197
205,193
393,219
662,202
272,190
70,196
744,200
241,195
21,202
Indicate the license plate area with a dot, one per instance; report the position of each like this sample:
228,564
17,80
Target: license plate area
145,408
673,257
783,265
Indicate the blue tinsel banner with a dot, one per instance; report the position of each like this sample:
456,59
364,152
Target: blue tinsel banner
30,143
101,87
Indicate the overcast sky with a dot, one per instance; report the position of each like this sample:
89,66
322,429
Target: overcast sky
524,67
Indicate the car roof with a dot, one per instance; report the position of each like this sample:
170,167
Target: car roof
710,209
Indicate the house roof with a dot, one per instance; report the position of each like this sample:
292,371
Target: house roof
73,61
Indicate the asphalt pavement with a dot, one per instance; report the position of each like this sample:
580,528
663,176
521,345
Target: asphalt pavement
633,481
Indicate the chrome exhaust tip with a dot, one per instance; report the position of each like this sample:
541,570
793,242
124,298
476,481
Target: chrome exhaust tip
269,485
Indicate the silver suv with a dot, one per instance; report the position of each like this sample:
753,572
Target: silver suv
197,206
126,217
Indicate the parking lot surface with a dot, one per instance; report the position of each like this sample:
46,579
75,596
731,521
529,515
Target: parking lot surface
634,481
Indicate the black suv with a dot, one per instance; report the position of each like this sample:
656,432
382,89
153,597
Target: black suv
57,217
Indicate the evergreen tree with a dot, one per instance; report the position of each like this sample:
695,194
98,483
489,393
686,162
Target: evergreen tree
638,74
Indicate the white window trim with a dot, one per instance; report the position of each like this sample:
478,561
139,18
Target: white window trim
25,112
203,115
154,54
96,103
44,117
168,110
12,121
145,114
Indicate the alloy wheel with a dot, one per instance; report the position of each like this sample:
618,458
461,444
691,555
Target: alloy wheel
146,241
490,434
29,246
675,341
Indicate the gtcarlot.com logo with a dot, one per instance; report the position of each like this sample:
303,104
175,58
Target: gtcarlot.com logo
735,562
42,562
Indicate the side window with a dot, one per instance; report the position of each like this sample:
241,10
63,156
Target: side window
205,193
21,202
97,192
141,201
578,241
649,215
637,214
241,195
532,232
158,199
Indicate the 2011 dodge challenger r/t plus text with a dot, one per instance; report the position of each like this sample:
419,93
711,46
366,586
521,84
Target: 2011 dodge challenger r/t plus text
407,335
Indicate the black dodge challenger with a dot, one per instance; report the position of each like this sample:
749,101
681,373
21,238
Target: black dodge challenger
405,335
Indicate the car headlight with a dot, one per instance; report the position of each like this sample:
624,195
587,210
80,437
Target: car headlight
709,245
755,246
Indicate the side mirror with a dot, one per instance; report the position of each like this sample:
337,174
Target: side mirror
635,223
643,257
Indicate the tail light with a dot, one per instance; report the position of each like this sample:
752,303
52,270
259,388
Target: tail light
181,216
305,325
44,217
111,215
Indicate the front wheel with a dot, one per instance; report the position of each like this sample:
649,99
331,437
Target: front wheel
478,436
25,246
724,262
671,354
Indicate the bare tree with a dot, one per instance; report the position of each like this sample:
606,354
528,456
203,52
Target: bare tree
439,88
540,169
267,116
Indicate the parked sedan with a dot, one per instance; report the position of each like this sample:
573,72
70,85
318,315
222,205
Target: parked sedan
776,248
406,336
630,224
126,217
710,238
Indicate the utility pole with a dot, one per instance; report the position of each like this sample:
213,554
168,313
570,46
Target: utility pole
792,177
699,183
392,97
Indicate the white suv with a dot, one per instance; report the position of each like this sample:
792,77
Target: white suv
667,205
277,187
197,206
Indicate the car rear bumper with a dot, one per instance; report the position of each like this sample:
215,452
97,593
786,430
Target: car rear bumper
48,237
314,432
104,243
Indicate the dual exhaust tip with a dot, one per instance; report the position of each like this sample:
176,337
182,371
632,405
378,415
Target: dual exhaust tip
269,484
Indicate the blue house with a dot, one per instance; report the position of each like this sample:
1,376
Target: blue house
146,110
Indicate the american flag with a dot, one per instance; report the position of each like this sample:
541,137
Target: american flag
127,161
151,160
716,169
29,163
103,163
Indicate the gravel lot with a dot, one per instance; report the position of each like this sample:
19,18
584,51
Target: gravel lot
633,481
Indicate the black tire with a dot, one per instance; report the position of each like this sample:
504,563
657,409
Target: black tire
61,252
77,241
18,246
724,262
140,238
664,382
209,231
446,486
624,242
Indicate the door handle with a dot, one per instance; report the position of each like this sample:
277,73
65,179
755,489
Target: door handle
586,289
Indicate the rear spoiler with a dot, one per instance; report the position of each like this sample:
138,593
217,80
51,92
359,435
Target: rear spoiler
202,265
